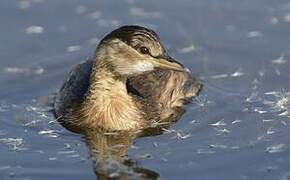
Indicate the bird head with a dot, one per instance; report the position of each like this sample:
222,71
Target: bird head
133,50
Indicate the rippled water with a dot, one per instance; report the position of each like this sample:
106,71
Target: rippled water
238,128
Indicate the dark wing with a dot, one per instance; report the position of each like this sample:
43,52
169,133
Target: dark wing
169,90
74,89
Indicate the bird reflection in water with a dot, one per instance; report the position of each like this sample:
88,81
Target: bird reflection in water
108,151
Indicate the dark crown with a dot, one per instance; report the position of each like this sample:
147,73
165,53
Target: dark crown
126,33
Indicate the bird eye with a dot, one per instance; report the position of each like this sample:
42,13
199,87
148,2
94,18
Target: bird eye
144,50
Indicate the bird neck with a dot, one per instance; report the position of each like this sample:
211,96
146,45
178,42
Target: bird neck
104,79
108,104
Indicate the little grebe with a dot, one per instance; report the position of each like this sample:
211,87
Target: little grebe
130,84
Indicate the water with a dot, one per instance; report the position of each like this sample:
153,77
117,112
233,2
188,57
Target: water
238,128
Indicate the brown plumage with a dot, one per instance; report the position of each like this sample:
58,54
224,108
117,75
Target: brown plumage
130,84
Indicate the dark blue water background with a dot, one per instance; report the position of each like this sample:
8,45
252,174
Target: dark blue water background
238,128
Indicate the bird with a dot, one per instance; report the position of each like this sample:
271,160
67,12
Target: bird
129,84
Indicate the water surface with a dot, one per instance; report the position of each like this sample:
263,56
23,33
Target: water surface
238,128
